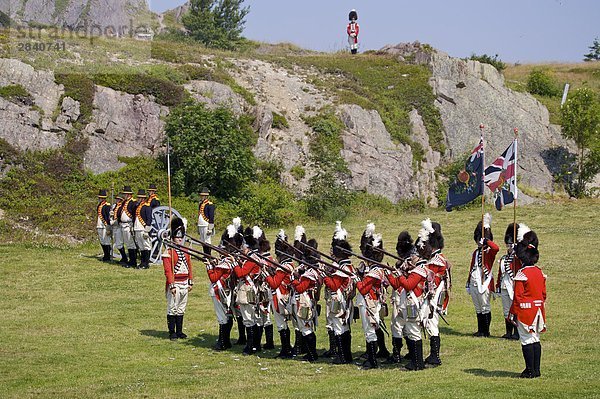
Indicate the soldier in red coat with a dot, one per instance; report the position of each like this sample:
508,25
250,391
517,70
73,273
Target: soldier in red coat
528,311
480,280
178,272
508,265
353,29
280,283
430,245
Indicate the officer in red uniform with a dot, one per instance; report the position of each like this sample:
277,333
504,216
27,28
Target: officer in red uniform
179,275
480,280
528,311
353,29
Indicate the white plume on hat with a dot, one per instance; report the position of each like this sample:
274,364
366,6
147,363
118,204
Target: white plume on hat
370,230
298,233
237,222
426,229
184,220
376,240
523,229
340,233
257,232
281,235
231,231
487,221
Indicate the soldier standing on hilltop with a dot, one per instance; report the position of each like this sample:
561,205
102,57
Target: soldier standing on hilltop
206,218
353,29
103,225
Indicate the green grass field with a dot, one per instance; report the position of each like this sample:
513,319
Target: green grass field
76,327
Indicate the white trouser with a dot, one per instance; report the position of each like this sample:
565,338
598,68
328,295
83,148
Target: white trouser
369,328
176,303
117,236
248,315
264,316
128,236
143,240
527,336
306,327
432,325
203,233
220,310
328,316
342,324
404,328
280,319
506,302
353,42
103,235
481,301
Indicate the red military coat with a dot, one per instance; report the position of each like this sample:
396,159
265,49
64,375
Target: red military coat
220,273
415,281
370,285
438,270
280,281
248,268
530,297
174,267
488,258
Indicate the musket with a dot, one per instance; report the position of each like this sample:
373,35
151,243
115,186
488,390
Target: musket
273,264
385,252
317,251
380,323
215,248
349,274
190,251
317,268
366,259
291,246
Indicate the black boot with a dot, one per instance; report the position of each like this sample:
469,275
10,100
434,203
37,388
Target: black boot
124,259
241,332
371,362
258,333
179,326
347,341
382,352
416,350
106,251
145,259
220,345
269,344
227,333
529,356
286,347
434,356
537,358
132,258
311,347
249,348
480,323
339,342
299,346
171,327
408,355
515,334
395,357
332,352
487,317
508,327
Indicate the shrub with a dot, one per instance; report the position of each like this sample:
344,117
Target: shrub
269,171
80,88
487,59
539,82
209,148
16,93
270,205
279,121
195,72
4,19
298,172
326,142
8,153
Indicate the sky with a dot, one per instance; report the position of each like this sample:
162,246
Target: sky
517,30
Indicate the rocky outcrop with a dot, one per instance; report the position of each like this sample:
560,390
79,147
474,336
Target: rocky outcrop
470,93
107,17
123,125
216,95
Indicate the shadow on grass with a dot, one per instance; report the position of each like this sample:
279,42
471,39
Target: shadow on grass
155,333
492,373
450,331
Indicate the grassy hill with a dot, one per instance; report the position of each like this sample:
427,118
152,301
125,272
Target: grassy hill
76,327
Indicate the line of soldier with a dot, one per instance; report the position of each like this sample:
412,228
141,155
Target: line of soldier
126,225
262,290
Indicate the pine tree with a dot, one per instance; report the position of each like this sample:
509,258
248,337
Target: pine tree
216,23
594,54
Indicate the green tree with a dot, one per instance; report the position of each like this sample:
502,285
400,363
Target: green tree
216,23
209,148
581,123
594,54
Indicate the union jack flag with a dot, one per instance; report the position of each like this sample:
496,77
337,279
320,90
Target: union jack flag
501,176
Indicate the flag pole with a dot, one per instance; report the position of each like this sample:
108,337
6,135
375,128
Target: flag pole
481,127
516,132
169,193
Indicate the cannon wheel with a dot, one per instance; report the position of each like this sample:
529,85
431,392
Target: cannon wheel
160,227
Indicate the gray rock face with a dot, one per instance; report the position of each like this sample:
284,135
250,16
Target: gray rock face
110,15
123,125
216,95
471,93
376,164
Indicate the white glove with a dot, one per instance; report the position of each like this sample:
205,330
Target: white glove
147,228
210,229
